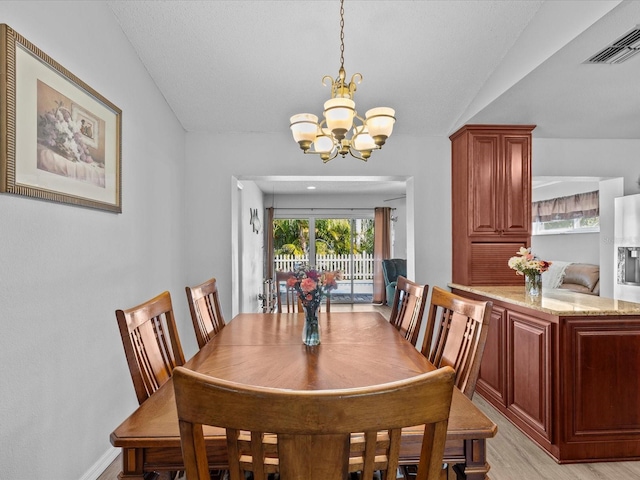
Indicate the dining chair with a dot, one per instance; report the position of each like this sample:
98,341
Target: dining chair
151,343
309,432
408,307
287,300
206,314
287,297
456,334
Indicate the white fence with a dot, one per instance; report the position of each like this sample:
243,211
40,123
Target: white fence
356,267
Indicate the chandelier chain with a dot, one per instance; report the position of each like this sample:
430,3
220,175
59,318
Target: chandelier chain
342,34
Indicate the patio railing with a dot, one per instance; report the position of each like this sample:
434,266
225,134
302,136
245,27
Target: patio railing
356,267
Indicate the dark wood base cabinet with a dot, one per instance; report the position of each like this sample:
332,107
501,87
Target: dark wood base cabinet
566,376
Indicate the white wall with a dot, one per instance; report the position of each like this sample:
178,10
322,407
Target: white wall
573,247
251,252
64,382
588,158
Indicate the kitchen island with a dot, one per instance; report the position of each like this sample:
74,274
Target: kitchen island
565,369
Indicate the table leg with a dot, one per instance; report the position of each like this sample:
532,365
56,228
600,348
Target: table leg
132,463
475,466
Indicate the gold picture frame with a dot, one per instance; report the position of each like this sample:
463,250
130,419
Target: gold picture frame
60,140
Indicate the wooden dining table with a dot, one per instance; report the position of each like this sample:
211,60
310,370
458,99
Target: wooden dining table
358,349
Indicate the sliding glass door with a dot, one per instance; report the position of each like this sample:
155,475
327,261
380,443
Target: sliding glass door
336,243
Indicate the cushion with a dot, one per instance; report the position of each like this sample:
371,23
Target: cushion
581,277
392,268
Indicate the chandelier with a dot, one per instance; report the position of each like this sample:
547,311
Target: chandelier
339,133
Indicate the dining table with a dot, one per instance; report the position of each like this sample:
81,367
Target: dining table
357,349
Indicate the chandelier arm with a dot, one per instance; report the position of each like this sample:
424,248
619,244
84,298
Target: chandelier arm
362,119
325,160
355,155
328,77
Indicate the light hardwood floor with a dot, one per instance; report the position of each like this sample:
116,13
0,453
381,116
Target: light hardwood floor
511,454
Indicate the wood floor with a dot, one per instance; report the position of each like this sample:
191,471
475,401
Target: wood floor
511,454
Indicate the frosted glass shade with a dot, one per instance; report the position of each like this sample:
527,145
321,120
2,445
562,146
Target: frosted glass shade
304,127
380,121
339,113
323,143
363,141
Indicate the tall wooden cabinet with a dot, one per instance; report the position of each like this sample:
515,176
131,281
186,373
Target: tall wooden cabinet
491,201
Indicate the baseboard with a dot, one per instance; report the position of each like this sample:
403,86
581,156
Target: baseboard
101,465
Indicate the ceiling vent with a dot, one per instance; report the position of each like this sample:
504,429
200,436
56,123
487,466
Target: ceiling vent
619,51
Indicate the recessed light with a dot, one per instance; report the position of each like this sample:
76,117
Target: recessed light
311,187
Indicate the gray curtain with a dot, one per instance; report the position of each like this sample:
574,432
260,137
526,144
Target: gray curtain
268,244
567,208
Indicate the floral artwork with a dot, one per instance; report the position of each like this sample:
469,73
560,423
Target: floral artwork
62,140
67,133
526,263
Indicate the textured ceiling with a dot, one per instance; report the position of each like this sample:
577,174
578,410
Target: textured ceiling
247,66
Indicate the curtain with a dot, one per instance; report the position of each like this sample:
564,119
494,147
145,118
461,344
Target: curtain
268,244
381,250
567,208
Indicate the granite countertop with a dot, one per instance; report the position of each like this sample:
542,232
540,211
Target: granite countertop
555,301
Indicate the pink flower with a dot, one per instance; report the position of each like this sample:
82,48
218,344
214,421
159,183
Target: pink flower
308,284
291,281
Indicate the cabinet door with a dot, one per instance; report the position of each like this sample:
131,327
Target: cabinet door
483,184
514,212
492,381
529,370
488,263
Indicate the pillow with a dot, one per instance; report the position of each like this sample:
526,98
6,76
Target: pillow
554,276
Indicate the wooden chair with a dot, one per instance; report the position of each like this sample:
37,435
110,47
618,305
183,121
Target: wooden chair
151,344
291,302
206,314
460,327
408,308
310,431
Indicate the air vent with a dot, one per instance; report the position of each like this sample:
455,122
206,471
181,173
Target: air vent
621,50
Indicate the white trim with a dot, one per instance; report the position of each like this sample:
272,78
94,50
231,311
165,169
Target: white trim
305,213
101,465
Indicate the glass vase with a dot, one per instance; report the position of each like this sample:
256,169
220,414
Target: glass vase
311,328
533,284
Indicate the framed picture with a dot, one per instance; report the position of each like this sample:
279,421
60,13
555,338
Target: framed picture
60,140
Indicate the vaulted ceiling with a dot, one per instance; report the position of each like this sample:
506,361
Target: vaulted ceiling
248,65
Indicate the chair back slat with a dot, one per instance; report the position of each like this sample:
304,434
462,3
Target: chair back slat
408,308
456,334
312,432
206,314
151,344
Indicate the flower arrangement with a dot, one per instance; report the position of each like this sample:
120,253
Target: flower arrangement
311,284
59,131
526,263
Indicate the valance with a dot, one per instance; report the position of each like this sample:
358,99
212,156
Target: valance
567,208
